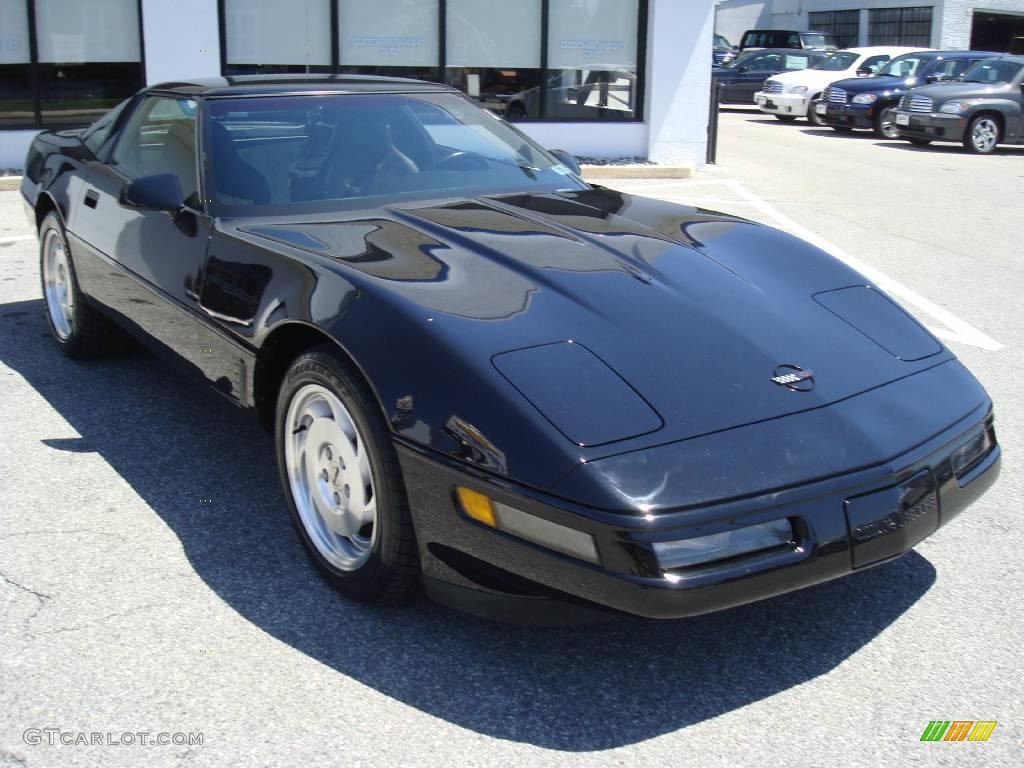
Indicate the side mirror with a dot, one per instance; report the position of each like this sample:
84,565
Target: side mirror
865,72
567,159
936,78
161,192
743,70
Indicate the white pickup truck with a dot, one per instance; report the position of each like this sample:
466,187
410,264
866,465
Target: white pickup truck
790,95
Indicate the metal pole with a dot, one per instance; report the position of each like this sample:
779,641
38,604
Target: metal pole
712,154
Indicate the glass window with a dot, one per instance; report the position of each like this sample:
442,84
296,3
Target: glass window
160,137
397,38
992,72
17,106
900,26
904,66
874,63
96,135
89,57
837,62
494,51
274,37
844,26
313,152
592,60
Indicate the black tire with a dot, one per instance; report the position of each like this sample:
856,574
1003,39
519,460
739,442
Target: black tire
920,142
88,334
785,118
885,128
392,570
991,128
813,117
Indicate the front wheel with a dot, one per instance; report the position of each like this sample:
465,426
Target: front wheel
885,128
813,117
341,479
982,136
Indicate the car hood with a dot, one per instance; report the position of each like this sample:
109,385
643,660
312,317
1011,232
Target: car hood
812,78
694,311
943,91
883,84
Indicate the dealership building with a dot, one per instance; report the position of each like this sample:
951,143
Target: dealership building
988,25
600,78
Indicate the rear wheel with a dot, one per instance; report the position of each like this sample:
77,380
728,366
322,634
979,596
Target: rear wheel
342,481
885,128
785,118
79,330
982,136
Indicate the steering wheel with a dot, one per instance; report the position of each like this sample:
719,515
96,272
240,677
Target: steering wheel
461,161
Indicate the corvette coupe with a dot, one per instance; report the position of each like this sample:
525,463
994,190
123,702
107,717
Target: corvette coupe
489,379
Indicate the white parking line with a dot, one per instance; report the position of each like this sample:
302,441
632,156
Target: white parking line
954,328
17,238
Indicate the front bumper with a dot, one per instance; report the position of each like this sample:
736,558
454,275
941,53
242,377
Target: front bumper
850,115
842,523
933,126
782,103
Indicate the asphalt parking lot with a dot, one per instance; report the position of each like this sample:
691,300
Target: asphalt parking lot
150,582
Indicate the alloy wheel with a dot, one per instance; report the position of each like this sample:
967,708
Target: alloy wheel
58,287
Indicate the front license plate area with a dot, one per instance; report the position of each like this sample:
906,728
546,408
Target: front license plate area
902,119
886,523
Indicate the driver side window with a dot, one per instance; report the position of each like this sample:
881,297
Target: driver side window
874,63
160,137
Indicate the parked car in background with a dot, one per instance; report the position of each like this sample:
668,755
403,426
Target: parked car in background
866,102
722,51
742,77
983,109
788,96
787,38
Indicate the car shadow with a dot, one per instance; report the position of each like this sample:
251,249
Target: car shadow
950,149
833,134
573,689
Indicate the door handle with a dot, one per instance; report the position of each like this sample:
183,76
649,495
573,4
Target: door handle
91,198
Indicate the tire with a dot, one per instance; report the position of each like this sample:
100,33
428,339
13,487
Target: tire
983,135
342,480
785,118
920,142
885,128
80,331
813,117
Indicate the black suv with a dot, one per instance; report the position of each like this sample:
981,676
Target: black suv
865,102
983,109
787,38
744,76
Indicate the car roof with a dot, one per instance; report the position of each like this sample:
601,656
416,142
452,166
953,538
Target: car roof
790,31
802,51
954,54
1015,58
276,85
882,49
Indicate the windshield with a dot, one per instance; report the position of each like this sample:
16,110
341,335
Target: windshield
817,41
742,59
837,62
907,65
992,72
295,154
721,42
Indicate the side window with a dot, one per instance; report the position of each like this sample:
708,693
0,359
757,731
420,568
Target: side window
874,63
769,62
96,134
793,41
160,137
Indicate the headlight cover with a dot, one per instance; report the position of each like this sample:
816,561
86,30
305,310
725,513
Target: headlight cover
798,89
865,98
953,107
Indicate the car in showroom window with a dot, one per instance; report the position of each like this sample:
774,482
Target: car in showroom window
477,369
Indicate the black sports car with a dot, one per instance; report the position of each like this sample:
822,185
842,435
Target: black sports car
489,378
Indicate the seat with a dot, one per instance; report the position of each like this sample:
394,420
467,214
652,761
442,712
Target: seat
233,175
364,154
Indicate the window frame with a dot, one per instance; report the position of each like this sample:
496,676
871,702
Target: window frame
442,63
37,121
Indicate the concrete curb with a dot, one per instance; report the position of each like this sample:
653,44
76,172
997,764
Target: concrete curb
637,171
9,182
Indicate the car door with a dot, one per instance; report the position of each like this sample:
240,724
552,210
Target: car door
151,260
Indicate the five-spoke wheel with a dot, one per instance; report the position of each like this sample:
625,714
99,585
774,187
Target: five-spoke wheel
983,134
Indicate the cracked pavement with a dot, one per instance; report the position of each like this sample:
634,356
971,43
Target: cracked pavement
126,605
